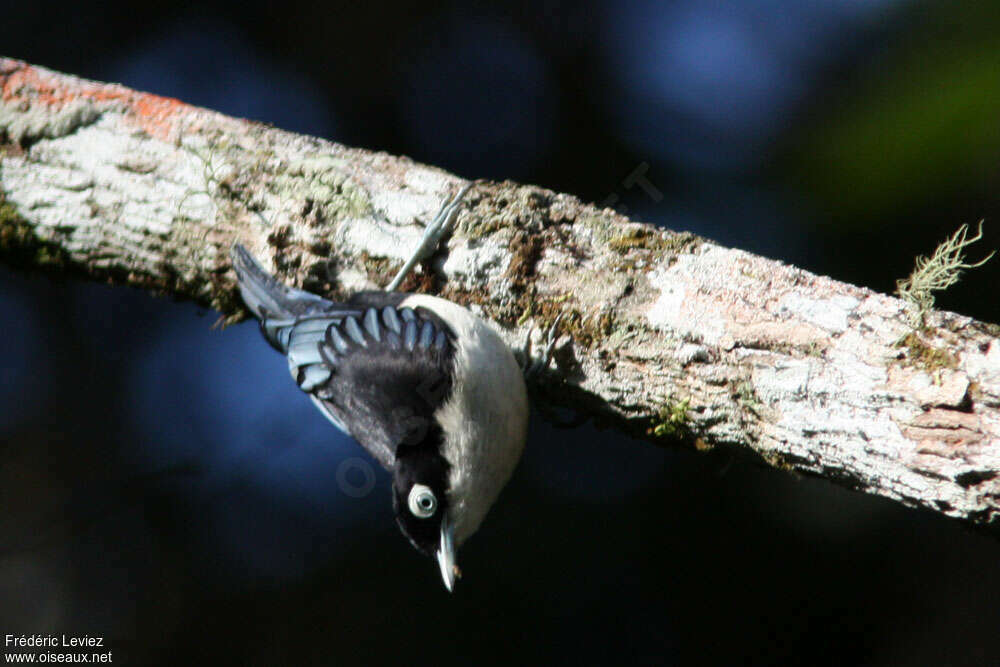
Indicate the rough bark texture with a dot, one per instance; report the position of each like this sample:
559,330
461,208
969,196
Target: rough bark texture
674,338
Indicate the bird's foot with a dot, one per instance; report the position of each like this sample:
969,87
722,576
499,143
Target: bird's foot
433,233
533,366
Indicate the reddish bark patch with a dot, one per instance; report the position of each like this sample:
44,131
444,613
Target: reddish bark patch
943,432
22,83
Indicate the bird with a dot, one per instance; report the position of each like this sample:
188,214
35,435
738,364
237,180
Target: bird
428,388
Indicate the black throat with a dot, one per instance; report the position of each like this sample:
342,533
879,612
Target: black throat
421,462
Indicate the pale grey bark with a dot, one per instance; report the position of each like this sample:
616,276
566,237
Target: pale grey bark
674,338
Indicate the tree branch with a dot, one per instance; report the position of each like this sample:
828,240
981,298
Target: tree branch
674,338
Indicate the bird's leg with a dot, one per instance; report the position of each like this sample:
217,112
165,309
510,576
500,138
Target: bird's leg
531,366
433,233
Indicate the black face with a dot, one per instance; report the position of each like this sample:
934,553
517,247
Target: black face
421,474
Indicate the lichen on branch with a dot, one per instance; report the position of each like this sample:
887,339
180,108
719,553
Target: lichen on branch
939,272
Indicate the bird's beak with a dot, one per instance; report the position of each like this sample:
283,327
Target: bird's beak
446,554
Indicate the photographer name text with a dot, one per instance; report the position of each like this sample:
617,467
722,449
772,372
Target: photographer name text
50,641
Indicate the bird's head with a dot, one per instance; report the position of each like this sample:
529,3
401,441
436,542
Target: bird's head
421,502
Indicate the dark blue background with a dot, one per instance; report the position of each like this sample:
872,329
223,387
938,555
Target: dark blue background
164,484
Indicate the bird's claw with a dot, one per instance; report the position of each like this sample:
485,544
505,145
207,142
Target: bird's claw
442,222
532,366
433,233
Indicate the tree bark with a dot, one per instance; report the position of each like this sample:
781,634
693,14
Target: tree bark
667,336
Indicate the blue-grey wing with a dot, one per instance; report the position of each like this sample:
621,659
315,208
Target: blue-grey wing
380,374
376,370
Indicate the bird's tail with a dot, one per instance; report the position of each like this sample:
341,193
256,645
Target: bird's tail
265,296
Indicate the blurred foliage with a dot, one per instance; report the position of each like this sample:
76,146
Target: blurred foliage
922,122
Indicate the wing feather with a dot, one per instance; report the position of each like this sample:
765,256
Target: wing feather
365,364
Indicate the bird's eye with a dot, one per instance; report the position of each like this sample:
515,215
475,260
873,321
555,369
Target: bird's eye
422,501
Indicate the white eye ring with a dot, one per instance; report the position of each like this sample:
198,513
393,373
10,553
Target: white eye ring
422,501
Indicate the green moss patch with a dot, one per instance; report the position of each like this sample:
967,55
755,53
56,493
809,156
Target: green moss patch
672,420
921,353
21,246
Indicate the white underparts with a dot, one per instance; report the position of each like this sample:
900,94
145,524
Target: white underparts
484,420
